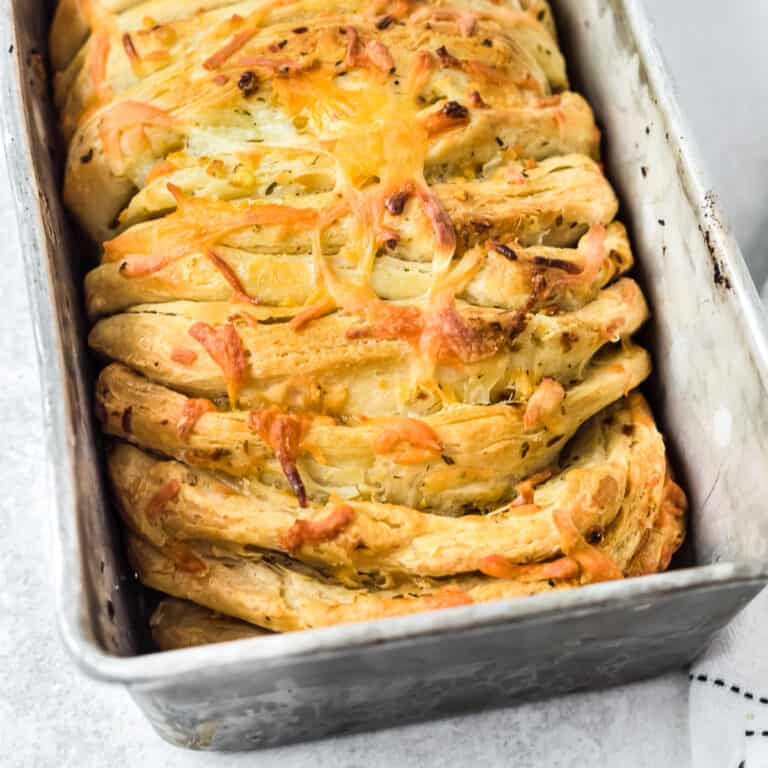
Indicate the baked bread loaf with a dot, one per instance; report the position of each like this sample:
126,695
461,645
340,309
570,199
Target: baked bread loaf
364,306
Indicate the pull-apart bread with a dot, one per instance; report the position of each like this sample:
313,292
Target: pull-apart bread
365,309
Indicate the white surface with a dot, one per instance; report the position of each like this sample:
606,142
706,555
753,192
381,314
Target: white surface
728,701
50,715
718,56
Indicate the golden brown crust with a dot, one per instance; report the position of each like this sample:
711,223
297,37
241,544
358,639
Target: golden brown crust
505,278
126,63
380,538
363,296
664,535
482,451
276,593
358,375
181,624
281,598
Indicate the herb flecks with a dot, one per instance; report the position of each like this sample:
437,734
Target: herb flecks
248,83
505,251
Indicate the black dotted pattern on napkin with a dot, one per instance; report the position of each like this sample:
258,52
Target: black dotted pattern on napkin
735,689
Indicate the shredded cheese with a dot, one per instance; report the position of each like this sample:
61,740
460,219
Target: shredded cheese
499,567
525,490
130,50
162,168
99,60
226,349
595,564
183,356
184,558
238,292
195,227
129,118
309,532
194,409
283,433
160,500
251,26
312,312
409,441
543,403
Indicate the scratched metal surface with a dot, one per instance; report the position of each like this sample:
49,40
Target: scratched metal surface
342,679
708,330
442,673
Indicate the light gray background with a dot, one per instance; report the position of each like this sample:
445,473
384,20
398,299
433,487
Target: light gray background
50,715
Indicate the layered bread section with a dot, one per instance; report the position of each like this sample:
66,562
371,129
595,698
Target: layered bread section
365,309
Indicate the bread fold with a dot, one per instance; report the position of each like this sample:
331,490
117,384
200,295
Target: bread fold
505,279
387,538
482,453
280,174
344,375
284,594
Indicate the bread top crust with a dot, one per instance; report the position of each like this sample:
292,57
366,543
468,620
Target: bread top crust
364,299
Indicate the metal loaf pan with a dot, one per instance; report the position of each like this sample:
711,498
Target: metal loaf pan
710,345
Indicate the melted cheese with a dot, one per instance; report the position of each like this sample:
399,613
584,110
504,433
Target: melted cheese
309,532
164,496
126,121
226,349
283,433
194,227
194,409
409,441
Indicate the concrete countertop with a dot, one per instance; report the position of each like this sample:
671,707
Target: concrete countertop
51,715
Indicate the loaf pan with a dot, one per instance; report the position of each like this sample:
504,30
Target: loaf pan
709,391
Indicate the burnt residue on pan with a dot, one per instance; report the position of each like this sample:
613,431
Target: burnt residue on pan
719,272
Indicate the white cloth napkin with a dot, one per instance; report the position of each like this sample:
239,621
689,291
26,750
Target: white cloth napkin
729,695
729,690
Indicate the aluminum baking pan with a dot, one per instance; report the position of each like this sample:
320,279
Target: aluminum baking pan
710,345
